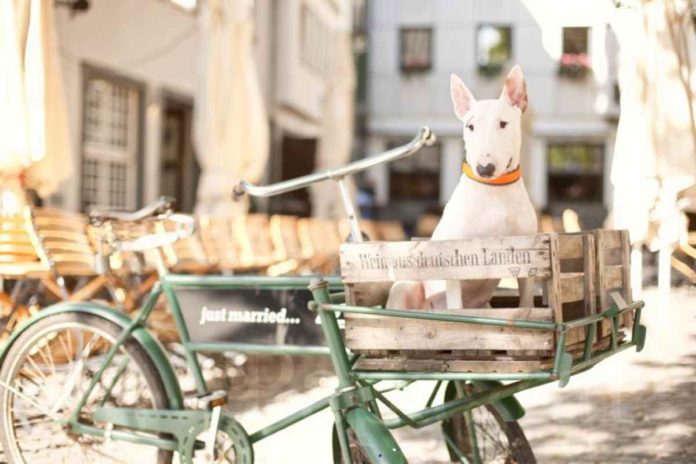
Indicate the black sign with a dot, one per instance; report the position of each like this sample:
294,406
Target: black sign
259,316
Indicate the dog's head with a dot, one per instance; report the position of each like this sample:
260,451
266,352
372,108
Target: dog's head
492,128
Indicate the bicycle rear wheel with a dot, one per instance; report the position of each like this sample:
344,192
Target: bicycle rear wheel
49,367
482,435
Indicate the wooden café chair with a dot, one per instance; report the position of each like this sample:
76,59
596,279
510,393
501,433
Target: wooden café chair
218,243
185,256
320,241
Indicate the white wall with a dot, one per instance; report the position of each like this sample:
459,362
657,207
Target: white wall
129,37
399,104
396,99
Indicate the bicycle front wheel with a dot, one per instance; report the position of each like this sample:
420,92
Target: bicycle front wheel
482,435
48,369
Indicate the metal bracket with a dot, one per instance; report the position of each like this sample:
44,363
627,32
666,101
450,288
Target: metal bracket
639,337
564,367
350,398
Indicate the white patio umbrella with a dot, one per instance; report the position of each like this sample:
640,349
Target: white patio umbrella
230,124
655,151
336,135
34,139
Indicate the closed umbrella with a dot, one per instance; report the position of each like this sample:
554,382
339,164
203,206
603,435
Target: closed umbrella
336,134
655,151
231,127
35,144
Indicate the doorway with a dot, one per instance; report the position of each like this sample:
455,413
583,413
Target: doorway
298,158
179,167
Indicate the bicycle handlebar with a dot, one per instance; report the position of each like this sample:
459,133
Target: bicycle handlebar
424,137
161,205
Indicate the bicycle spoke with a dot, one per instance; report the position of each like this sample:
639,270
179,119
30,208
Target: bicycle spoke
49,378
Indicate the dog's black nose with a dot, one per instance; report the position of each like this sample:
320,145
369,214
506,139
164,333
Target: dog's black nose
485,171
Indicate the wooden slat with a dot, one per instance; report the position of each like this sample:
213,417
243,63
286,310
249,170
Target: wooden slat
481,258
570,246
589,261
611,239
388,333
440,365
68,235
553,286
613,277
285,237
572,287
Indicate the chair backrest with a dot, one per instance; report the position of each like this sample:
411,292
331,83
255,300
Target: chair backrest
285,236
319,237
426,225
252,233
64,239
185,255
218,242
21,253
390,231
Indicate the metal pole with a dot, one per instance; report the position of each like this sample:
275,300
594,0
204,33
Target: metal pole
355,233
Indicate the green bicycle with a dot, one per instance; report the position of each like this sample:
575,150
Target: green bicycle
81,382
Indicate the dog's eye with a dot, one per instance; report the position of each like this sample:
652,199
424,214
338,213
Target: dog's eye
470,127
503,124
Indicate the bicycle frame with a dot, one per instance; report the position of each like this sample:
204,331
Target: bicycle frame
357,389
356,402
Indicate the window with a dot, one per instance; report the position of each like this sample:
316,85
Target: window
575,40
110,139
493,48
416,49
575,62
576,172
416,177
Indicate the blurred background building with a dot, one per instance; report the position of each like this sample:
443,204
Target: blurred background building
568,55
130,75
347,78
130,71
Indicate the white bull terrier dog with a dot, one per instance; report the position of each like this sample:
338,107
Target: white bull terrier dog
490,199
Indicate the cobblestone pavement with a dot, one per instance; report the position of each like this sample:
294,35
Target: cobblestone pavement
634,408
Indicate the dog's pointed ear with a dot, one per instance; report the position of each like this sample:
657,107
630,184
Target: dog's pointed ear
515,89
462,98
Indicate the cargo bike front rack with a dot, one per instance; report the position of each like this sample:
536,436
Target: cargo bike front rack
579,284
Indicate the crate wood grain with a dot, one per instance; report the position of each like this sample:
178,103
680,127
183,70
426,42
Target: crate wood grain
457,362
612,273
567,267
365,332
490,258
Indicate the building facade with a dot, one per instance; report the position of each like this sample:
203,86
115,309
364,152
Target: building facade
568,54
130,70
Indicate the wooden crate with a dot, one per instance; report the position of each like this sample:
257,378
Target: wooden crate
613,251
564,264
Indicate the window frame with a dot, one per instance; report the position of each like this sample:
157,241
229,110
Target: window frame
411,68
588,31
105,154
436,173
511,51
599,173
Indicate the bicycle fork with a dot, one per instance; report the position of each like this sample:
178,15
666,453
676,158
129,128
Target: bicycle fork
349,402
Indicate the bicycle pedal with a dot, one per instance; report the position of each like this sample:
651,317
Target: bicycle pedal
208,400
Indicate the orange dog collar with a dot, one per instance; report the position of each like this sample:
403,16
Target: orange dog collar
506,179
